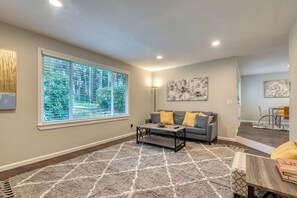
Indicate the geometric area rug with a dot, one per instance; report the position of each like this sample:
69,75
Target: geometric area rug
134,170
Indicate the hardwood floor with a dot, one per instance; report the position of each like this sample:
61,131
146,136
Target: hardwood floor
10,173
269,137
247,149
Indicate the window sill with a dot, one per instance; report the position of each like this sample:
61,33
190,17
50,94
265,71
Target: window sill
57,125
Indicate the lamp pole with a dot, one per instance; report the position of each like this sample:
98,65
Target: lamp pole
155,91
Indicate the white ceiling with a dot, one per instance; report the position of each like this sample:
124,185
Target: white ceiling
135,31
268,61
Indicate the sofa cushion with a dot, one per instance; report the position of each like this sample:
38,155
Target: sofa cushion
155,117
166,117
201,122
197,131
189,119
161,110
179,117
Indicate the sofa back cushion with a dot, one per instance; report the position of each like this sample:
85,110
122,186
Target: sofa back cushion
190,119
166,117
204,112
155,117
160,110
215,117
179,117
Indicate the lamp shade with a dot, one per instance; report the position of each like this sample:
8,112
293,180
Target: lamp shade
156,83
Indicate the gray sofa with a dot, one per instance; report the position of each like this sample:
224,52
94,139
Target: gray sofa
208,134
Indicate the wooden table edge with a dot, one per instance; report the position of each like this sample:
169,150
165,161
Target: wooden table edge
265,188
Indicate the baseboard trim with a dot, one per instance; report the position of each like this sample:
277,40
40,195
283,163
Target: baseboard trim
256,145
59,153
227,139
255,121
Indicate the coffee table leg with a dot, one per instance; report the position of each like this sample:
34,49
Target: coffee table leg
251,192
148,132
175,142
137,129
184,137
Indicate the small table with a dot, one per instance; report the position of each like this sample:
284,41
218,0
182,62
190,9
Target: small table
175,142
262,172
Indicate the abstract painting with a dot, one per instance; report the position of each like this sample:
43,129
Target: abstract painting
276,89
7,79
188,89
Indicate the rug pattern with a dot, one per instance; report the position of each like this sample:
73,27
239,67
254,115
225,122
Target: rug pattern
134,170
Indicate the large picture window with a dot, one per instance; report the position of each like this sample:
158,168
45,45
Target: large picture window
73,91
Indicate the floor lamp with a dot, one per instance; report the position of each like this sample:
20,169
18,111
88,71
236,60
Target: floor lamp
155,93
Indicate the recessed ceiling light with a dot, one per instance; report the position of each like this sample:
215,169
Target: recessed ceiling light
56,3
159,57
288,66
215,43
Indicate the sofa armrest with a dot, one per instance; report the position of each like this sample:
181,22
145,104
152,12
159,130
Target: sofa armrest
148,121
211,131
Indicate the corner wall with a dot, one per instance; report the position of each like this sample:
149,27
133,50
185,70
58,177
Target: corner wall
222,79
293,79
19,137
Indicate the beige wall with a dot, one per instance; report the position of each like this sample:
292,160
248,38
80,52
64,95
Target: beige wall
19,137
252,93
293,79
222,77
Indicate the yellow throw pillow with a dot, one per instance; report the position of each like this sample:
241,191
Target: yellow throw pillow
287,150
166,117
189,119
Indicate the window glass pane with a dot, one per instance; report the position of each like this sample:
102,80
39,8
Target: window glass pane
74,91
56,87
120,93
91,92
104,93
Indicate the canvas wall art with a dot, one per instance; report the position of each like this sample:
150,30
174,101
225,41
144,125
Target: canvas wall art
188,89
7,79
276,89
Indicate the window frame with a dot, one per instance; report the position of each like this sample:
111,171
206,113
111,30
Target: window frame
69,123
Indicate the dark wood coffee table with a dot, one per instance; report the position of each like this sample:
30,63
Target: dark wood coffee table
176,138
262,172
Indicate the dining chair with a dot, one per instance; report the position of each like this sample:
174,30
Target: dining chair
263,116
278,116
286,116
